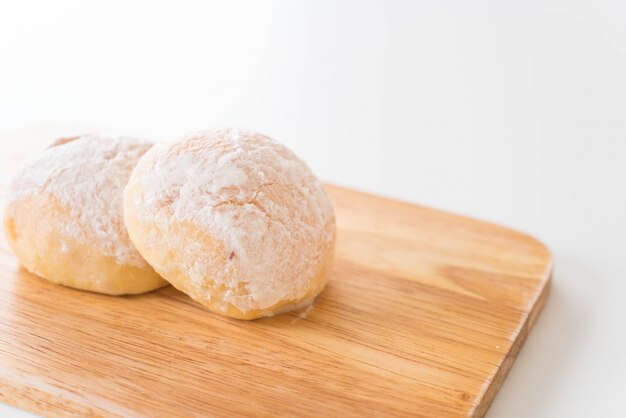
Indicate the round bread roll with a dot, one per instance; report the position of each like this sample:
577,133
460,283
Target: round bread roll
233,219
64,218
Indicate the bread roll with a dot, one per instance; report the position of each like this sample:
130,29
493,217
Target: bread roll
233,219
64,217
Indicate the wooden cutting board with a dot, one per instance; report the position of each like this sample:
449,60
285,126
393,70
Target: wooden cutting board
424,314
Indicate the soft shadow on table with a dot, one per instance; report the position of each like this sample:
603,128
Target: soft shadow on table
547,352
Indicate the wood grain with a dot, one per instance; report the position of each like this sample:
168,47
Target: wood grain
424,315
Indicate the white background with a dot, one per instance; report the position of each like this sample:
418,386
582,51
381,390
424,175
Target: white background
513,112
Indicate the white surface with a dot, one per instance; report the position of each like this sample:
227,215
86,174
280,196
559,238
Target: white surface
514,113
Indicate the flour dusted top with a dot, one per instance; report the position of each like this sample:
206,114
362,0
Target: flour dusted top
87,176
264,213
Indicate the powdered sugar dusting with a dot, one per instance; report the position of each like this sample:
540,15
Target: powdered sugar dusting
87,176
260,202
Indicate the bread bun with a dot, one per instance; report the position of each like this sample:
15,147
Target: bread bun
64,216
233,219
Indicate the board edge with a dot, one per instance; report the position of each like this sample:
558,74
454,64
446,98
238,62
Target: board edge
491,387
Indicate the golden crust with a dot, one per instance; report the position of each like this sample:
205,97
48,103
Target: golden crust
170,265
34,229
